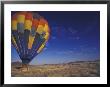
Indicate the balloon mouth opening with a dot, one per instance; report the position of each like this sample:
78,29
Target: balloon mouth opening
26,61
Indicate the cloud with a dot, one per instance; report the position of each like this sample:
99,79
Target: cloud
53,37
74,38
72,30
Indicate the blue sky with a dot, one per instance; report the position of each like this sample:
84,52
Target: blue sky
74,36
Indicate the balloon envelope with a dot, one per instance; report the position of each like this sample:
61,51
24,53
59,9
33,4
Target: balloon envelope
30,32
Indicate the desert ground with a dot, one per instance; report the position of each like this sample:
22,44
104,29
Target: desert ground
71,69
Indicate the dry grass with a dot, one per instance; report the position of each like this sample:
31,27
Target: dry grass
73,69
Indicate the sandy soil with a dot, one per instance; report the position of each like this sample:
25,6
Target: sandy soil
71,69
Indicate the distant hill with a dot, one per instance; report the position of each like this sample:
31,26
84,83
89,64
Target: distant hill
17,63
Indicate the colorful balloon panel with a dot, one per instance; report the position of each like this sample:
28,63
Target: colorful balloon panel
30,32
21,18
14,24
31,40
28,24
41,48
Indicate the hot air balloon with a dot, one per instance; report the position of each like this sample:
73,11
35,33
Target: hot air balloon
29,35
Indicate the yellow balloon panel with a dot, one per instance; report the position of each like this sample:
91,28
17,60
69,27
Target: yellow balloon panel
14,42
40,49
28,24
46,28
14,24
40,29
31,40
21,18
46,36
